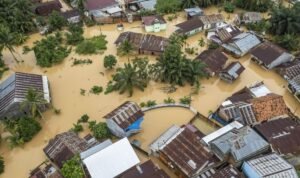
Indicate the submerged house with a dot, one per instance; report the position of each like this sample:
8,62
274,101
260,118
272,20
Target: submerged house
270,165
232,72
72,16
193,12
241,44
238,145
248,17
198,24
289,70
45,170
282,134
223,34
224,171
125,120
270,55
214,60
144,43
294,87
154,23
46,8
171,145
65,145
109,160
14,89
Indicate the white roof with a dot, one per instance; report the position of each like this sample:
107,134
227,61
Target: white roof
112,160
114,10
233,125
260,91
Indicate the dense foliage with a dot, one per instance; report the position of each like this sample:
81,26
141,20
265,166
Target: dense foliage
109,61
168,6
93,45
56,21
32,103
206,3
285,20
185,100
99,130
72,168
2,165
288,41
169,101
259,27
75,34
254,5
174,68
50,51
17,15
189,3
22,129
229,7
125,48
96,90
132,75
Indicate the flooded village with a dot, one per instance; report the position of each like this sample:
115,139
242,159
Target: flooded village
243,120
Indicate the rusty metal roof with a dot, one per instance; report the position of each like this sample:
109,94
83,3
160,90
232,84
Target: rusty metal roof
214,59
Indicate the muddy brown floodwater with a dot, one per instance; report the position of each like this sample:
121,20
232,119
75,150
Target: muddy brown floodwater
66,82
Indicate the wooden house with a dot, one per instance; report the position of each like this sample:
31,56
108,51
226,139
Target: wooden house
46,8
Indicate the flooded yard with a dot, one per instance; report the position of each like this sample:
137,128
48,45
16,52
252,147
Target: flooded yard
66,82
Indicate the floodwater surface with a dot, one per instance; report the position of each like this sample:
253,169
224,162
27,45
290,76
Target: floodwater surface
67,80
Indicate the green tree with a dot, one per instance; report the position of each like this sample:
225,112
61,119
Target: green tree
169,101
189,3
56,21
7,40
229,7
34,100
72,168
75,34
186,100
125,48
80,6
99,130
168,6
2,165
77,128
285,20
288,41
254,5
132,75
94,45
109,61
201,42
50,51
83,119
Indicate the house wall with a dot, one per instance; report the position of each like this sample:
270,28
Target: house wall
277,62
156,27
115,129
226,77
193,32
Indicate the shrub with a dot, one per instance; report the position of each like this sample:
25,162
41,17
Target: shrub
229,7
185,100
109,61
56,21
77,128
190,50
92,46
83,119
72,168
75,34
99,130
2,165
96,90
169,101
82,91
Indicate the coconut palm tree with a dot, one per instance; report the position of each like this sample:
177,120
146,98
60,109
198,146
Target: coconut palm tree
125,48
7,40
33,101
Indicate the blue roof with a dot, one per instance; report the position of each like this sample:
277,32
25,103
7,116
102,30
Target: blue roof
135,125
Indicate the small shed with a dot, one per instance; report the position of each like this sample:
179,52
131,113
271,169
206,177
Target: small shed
125,120
72,16
154,23
232,72
193,12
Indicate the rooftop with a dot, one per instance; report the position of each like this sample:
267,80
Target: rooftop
151,20
280,133
214,59
268,107
189,25
234,69
270,165
99,4
112,160
289,70
211,19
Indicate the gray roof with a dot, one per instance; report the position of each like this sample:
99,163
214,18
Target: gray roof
295,83
148,5
240,143
270,165
95,149
193,11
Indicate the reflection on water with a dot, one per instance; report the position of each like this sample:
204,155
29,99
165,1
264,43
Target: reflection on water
66,82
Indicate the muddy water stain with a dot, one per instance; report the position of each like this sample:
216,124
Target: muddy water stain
66,82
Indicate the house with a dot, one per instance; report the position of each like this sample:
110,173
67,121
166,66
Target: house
212,136
289,70
238,145
47,8
65,145
271,106
193,12
294,87
214,60
144,43
154,23
241,44
145,170
45,170
14,89
282,134
72,16
147,5
125,120
232,72
248,17
224,171
270,55
270,165
180,148
110,160
223,34
198,24
103,11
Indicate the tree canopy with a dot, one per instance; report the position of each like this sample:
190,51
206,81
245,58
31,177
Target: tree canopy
168,6
72,168
254,5
99,130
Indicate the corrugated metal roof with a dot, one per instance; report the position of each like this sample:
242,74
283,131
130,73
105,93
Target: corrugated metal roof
95,149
